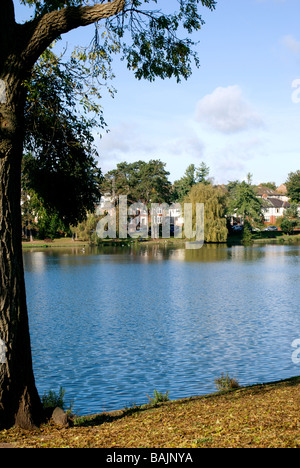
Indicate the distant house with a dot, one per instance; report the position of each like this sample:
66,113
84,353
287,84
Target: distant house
170,214
138,217
267,193
274,208
282,189
275,202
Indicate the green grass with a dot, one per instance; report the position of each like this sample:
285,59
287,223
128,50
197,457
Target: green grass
63,242
259,237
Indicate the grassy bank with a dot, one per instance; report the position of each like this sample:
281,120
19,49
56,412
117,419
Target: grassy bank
68,242
262,237
280,238
257,416
48,243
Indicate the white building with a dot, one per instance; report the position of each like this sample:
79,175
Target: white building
274,208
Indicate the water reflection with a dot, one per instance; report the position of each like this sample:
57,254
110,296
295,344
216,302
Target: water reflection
112,324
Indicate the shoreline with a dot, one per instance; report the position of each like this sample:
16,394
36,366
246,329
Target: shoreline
232,240
256,416
146,406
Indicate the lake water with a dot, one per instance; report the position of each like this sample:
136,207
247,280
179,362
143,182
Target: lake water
111,325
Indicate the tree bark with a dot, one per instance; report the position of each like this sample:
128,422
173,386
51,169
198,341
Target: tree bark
19,400
20,47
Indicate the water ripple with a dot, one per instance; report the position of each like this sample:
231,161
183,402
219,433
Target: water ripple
112,327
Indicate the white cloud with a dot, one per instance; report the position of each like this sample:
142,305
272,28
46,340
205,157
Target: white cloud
129,141
291,43
235,159
186,143
227,111
123,140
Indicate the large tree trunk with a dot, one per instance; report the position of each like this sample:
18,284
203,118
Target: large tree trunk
20,47
19,400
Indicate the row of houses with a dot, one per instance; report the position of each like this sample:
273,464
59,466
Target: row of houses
274,205
138,213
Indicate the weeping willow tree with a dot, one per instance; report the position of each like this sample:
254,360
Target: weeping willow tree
214,200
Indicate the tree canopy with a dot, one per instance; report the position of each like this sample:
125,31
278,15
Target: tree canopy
191,177
140,181
293,186
60,163
214,199
244,202
148,34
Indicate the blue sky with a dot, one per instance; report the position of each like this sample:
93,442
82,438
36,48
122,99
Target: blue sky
239,112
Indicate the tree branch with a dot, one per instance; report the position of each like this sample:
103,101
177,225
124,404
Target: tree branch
43,30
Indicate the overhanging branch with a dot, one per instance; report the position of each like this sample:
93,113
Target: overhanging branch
43,30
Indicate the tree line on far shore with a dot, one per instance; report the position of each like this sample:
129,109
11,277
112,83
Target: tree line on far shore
148,183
